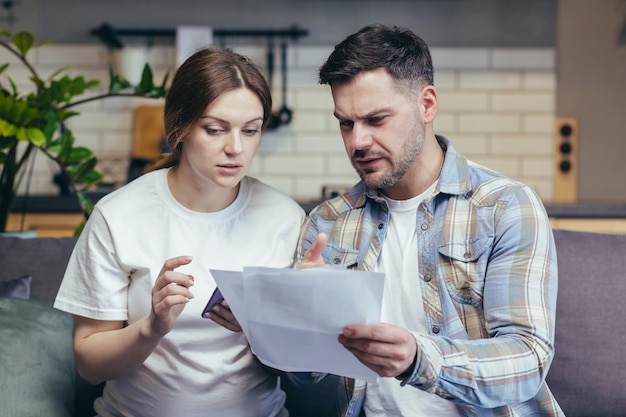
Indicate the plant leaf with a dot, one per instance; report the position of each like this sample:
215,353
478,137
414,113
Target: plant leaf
23,41
146,84
7,129
79,153
6,141
35,136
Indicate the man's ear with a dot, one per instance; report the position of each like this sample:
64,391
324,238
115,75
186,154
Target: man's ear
429,103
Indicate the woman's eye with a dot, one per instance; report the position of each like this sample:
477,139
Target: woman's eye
250,132
212,130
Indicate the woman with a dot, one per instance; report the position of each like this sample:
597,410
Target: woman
139,276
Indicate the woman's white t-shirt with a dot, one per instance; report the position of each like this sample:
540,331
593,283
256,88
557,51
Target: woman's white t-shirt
199,368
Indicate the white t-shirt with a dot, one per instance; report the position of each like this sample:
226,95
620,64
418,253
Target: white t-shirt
403,306
199,368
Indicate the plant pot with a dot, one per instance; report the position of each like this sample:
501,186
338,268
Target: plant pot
129,62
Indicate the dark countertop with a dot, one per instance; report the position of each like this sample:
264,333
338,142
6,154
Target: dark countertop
587,210
565,210
69,204
52,203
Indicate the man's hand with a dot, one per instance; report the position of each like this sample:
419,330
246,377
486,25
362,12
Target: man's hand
313,257
170,294
387,350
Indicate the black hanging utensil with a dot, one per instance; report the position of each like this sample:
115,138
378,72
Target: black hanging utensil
283,116
285,113
274,120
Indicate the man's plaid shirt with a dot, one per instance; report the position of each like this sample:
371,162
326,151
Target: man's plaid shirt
488,272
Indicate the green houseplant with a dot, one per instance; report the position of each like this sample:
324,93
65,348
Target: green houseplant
35,122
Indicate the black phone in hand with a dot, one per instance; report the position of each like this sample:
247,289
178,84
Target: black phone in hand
216,298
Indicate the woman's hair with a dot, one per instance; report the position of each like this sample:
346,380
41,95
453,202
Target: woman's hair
200,80
401,52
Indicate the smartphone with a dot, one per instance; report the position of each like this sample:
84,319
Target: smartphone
216,298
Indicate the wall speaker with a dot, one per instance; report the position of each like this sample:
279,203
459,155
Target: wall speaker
565,160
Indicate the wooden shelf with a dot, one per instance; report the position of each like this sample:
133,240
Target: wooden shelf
63,224
590,225
46,224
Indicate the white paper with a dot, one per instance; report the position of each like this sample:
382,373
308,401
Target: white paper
292,317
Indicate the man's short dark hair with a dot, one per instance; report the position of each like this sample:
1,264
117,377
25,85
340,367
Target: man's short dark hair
404,54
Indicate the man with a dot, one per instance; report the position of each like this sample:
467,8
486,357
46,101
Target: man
468,254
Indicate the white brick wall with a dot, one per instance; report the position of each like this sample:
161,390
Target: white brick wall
497,106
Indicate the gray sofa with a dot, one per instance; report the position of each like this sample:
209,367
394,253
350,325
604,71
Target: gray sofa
588,375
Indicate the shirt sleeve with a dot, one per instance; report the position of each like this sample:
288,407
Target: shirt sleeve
509,364
94,285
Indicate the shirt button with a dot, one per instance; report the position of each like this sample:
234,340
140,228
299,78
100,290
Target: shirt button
380,226
436,329
336,261
467,255
424,226
427,277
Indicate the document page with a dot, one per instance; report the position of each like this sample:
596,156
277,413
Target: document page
292,317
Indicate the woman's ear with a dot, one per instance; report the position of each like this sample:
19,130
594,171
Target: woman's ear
429,103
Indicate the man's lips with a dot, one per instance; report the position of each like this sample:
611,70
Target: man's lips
366,162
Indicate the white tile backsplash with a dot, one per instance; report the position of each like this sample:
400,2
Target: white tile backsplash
524,58
492,122
496,105
490,80
523,101
459,58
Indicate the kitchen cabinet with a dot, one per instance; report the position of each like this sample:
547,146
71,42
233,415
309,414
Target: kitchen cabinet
58,216
590,224
46,224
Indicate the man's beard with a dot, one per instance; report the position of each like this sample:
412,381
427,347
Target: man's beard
412,148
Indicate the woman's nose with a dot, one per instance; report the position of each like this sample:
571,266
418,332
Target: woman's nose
233,143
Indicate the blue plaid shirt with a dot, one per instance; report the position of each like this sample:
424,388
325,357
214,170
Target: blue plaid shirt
488,273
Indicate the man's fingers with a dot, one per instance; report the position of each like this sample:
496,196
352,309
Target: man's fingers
382,332
386,349
314,254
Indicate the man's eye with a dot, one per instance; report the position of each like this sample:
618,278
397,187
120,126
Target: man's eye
346,123
376,120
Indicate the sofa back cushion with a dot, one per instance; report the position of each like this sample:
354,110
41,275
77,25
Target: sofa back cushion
588,374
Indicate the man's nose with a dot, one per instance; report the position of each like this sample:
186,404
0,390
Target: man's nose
361,137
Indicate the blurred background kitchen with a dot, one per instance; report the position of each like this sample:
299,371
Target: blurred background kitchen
535,89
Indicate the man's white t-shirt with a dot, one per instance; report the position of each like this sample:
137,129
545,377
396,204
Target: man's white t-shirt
403,307
199,368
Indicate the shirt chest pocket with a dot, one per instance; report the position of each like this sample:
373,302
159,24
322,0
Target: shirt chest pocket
462,267
335,255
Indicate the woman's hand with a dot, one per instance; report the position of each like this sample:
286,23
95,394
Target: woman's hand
170,294
222,315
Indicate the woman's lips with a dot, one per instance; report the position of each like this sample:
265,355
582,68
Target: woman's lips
230,169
